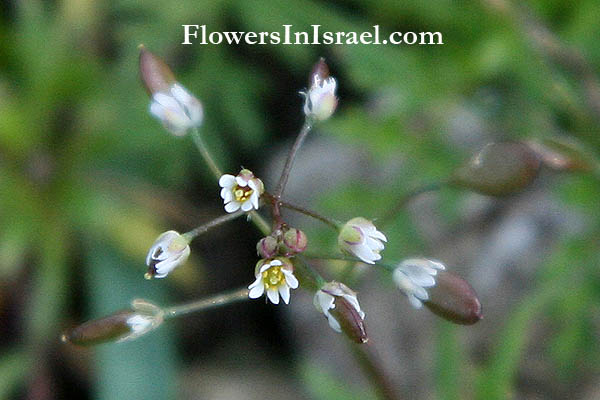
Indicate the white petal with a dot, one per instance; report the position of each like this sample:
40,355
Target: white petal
273,295
257,282
375,244
378,235
290,279
247,205
334,324
227,181
232,207
256,291
416,303
241,181
284,291
276,263
365,253
254,200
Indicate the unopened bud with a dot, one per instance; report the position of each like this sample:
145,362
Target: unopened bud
499,169
453,299
320,69
294,241
340,305
117,327
155,74
564,154
320,99
267,247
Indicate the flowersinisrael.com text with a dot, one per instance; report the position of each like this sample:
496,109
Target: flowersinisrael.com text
199,34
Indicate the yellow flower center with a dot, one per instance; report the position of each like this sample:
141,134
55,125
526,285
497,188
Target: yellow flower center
242,194
273,277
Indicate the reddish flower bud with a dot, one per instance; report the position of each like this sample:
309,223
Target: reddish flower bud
340,305
499,169
453,299
155,74
564,154
294,241
320,69
267,247
117,327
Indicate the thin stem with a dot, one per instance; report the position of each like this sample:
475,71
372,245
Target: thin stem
341,257
206,227
308,276
206,154
329,221
291,156
207,303
371,365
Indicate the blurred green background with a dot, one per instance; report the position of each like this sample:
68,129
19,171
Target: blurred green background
88,180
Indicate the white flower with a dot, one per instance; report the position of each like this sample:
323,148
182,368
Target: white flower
241,191
276,277
177,109
168,251
320,99
329,295
360,237
412,276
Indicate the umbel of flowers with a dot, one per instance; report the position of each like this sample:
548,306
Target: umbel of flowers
285,263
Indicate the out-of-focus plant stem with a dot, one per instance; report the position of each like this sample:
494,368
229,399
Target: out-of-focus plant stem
329,221
207,303
285,174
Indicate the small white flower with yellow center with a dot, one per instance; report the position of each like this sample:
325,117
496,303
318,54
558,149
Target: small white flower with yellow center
168,251
276,277
320,101
361,238
241,191
414,275
339,304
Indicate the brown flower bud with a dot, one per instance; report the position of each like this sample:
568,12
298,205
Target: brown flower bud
320,69
340,305
267,247
294,241
117,327
156,75
564,154
499,169
453,299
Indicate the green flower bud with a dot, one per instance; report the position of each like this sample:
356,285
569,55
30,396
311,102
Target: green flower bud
267,247
294,241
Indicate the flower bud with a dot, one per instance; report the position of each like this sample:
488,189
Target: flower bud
168,251
156,75
320,100
564,154
362,239
171,104
320,70
499,169
339,304
294,241
453,299
267,247
120,326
